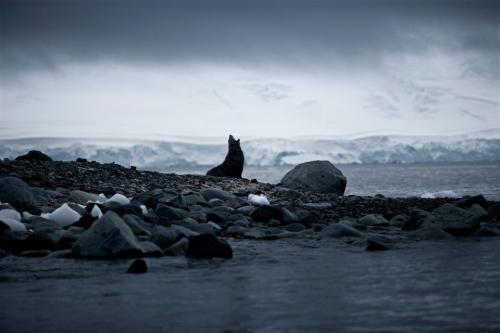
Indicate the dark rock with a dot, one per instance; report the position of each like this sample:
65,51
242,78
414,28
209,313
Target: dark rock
170,213
295,227
233,163
179,248
150,249
85,221
417,217
34,155
398,220
108,237
208,246
164,237
318,205
136,224
81,160
83,197
215,193
236,231
373,220
266,213
487,231
131,209
275,223
195,199
455,220
468,201
378,243
316,176
17,193
138,266
35,253
310,218
13,241
339,230
431,234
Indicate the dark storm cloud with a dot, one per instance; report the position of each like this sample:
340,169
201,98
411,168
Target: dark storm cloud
44,34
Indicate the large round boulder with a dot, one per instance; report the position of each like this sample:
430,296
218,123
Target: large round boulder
316,176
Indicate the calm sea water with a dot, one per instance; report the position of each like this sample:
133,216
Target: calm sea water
400,180
270,286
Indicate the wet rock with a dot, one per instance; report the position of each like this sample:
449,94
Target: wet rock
108,237
35,253
11,224
131,209
431,233
316,176
215,193
295,227
266,213
34,156
487,231
17,193
274,223
245,210
179,248
455,220
136,224
339,230
372,220
468,201
13,241
398,220
164,237
170,213
138,267
199,216
288,216
208,246
318,205
310,218
195,199
40,224
260,233
417,217
236,231
215,202
378,243
150,249
83,197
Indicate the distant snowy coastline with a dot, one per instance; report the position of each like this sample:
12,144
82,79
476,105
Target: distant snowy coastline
479,146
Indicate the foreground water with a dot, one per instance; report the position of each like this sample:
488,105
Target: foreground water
270,286
400,180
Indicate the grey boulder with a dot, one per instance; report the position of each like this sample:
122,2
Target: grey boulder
17,193
108,237
316,176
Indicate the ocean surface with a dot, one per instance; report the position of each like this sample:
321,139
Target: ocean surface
292,285
399,180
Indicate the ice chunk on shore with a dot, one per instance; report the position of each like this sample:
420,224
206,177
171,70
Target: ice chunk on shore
102,198
119,198
96,211
439,194
10,214
258,200
144,209
63,216
13,224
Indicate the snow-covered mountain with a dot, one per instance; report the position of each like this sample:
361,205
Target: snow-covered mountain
481,146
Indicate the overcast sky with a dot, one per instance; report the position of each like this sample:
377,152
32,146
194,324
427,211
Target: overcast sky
148,69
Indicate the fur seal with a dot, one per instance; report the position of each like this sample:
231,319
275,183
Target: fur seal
233,163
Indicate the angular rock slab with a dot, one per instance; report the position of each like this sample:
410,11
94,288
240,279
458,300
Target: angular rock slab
108,237
16,193
455,220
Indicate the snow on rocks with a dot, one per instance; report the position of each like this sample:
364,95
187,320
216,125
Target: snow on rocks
258,200
64,216
119,198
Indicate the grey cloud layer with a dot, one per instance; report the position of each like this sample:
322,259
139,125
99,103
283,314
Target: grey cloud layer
43,34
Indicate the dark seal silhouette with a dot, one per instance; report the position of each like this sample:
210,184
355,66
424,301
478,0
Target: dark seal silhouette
233,163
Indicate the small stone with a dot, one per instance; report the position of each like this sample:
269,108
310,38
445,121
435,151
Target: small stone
137,267
295,227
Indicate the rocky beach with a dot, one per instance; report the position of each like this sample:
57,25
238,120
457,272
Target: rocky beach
85,209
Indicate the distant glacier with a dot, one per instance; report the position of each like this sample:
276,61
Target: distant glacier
480,146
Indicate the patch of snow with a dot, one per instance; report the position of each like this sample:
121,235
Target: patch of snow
258,200
13,224
119,198
96,211
63,216
10,214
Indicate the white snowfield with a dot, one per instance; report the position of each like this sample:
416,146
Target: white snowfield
478,146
